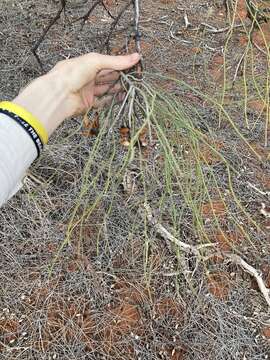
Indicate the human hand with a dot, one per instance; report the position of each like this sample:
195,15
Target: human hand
74,86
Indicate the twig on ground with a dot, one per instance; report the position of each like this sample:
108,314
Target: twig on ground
187,23
46,30
265,193
220,48
211,29
89,12
160,229
175,37
238,66
236,259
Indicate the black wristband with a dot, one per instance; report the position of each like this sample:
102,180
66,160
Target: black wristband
28,128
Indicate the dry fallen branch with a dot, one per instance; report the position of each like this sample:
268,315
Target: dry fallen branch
236,259
214,30
160,229
265,193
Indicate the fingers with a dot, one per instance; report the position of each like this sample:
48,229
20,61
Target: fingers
107,88
107,100
76,73
106,76
121,62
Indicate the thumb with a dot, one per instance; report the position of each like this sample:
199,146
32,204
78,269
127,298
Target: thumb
83,69
121,62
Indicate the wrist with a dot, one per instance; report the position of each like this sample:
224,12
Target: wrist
46,98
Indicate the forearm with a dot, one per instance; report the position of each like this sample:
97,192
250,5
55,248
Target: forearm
71,87
17,153
46,98
43,98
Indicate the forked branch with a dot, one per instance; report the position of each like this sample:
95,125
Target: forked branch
46,30
195,250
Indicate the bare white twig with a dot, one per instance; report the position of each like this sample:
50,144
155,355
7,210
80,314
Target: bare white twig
220,48
175,37
187,23
267,193
253,272
236,259
214,30
160,229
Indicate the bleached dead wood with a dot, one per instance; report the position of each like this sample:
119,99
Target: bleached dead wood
196,250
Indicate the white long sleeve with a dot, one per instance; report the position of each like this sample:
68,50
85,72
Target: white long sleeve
17,152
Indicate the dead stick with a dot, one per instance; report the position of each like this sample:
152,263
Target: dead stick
160,229
46,30
137,19
89,12
253,272
139,66
236,259
113,26
107,10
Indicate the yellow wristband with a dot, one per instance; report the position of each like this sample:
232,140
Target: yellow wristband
28,117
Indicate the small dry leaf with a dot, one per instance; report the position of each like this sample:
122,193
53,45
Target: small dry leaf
91,126
124,136
143,137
